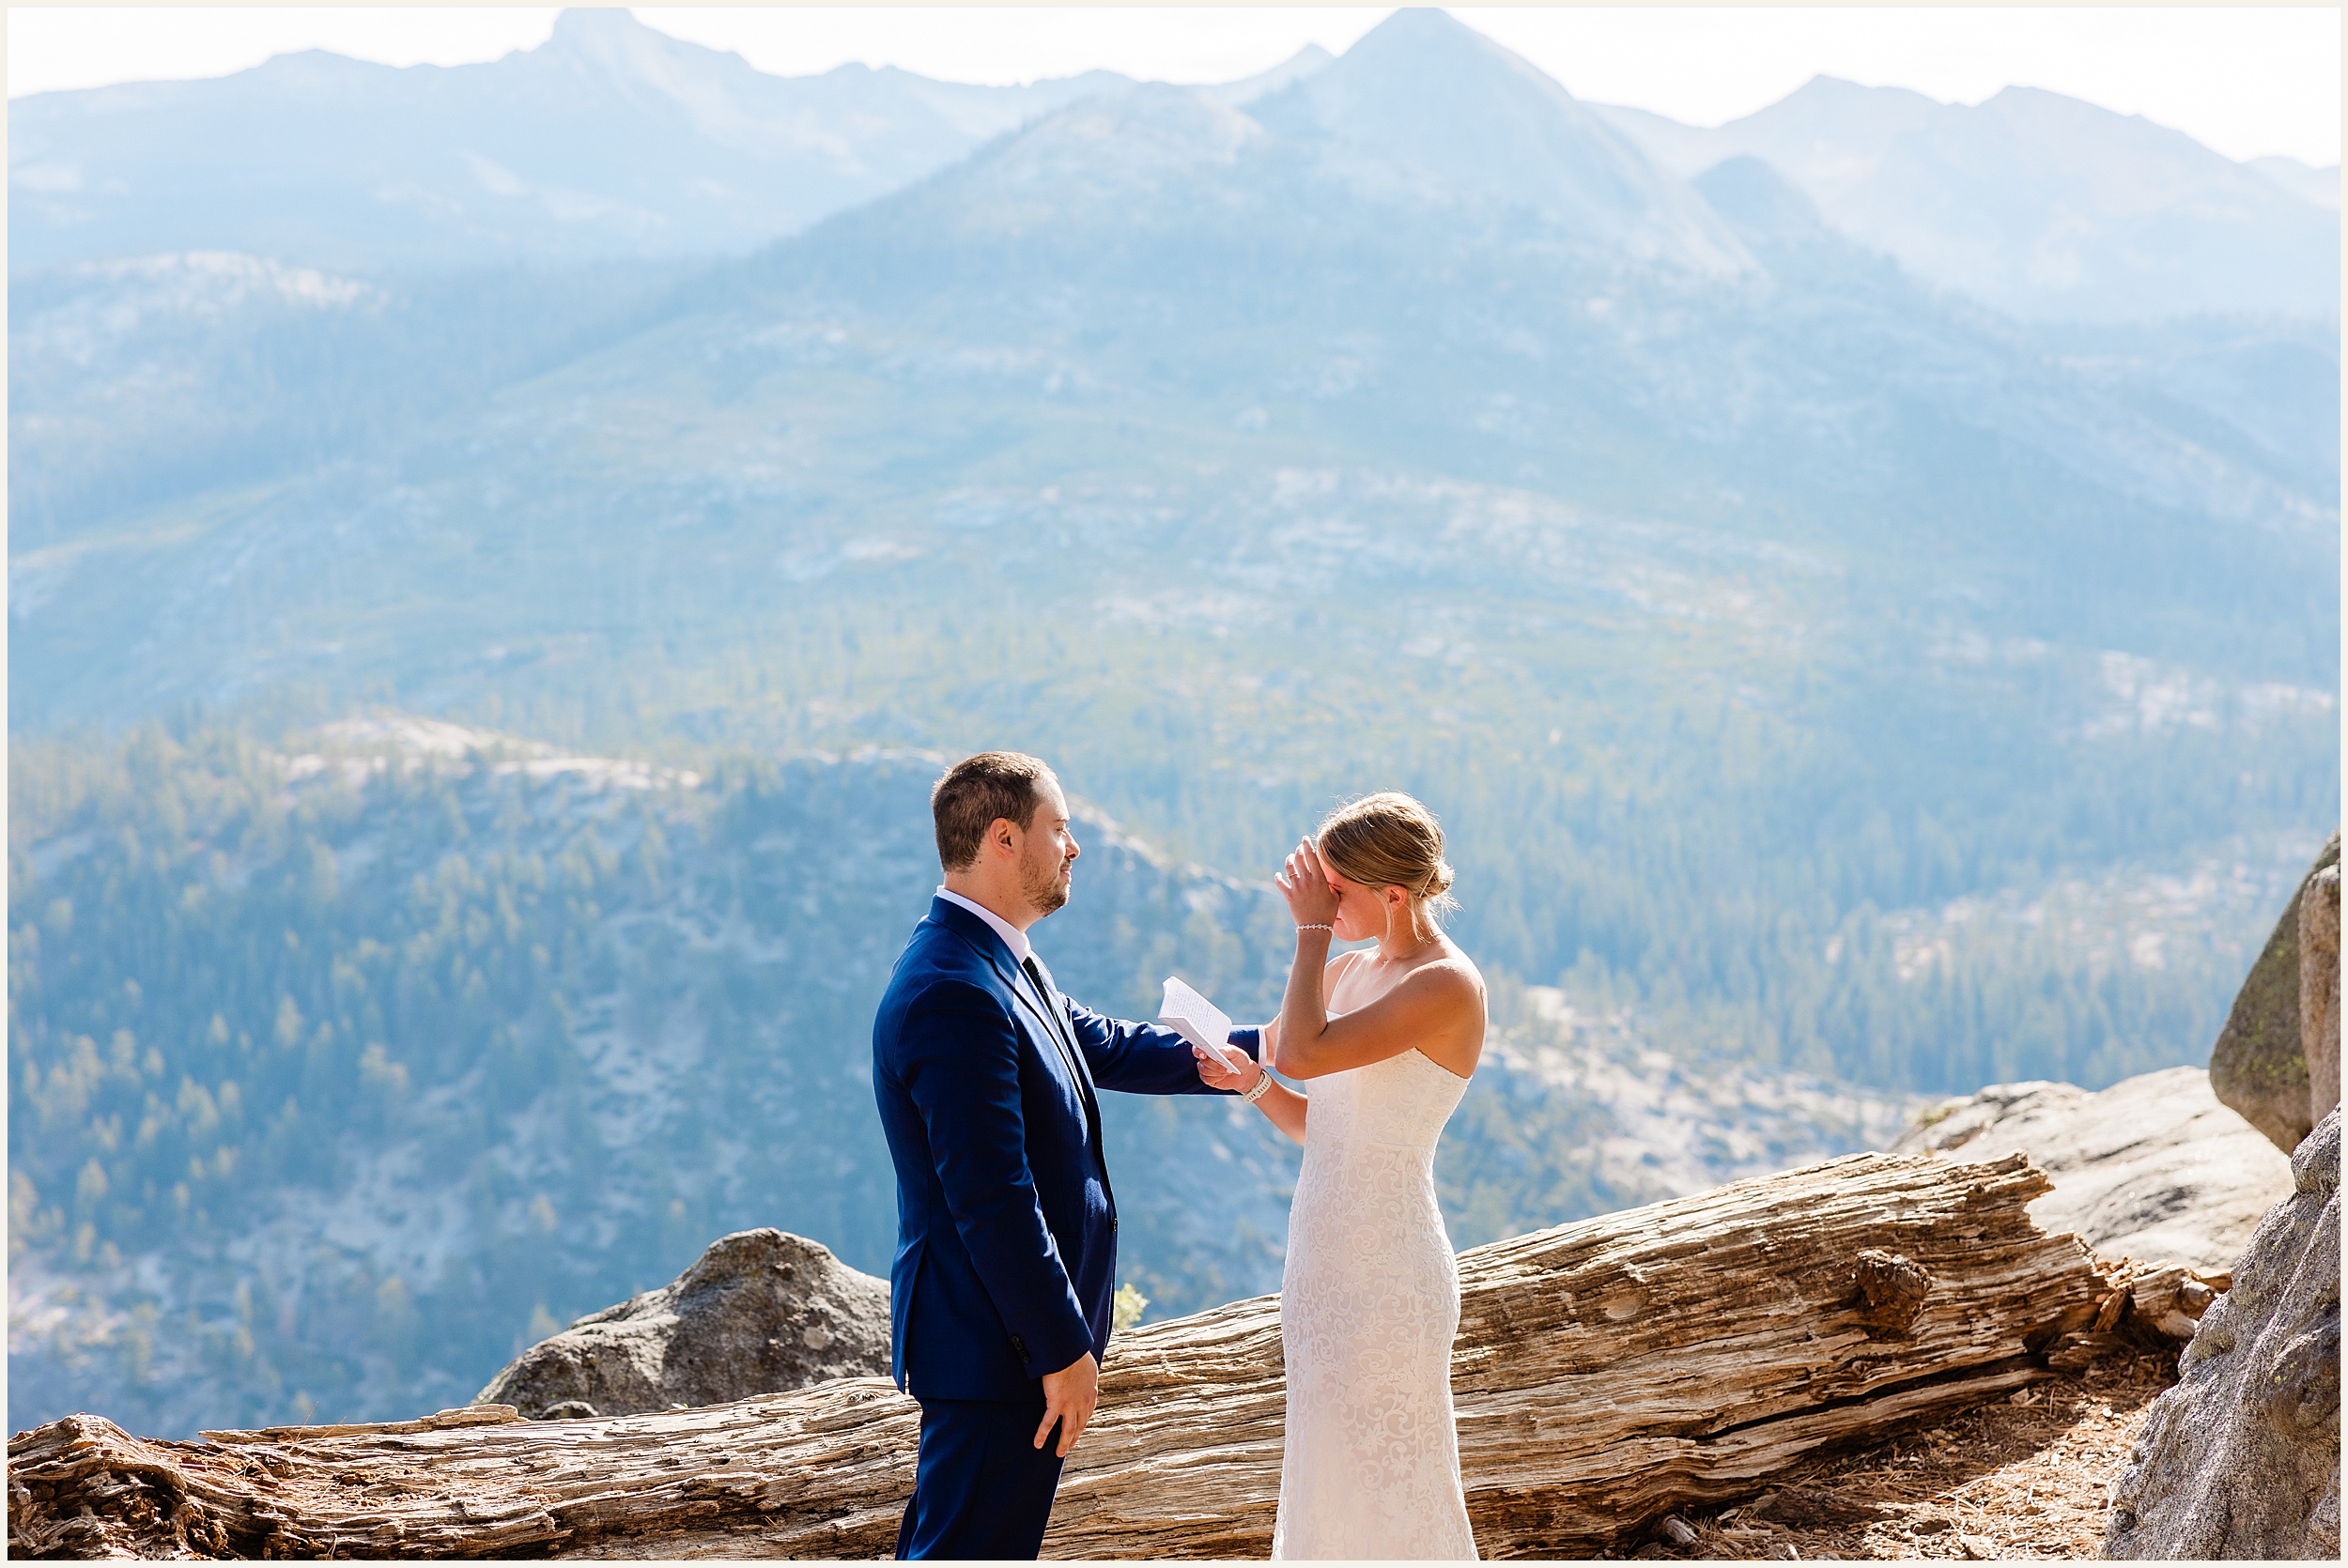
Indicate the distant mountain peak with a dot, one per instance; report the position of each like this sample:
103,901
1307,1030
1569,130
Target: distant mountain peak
1304,62
1834,104
1428,23
2301,179
576,25
1123,141
1434,40
612,38
2032,201
1824,85
1425,91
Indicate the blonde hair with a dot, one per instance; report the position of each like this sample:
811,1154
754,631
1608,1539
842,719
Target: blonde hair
1389,839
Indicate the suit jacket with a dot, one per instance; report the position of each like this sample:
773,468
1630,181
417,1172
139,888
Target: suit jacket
1005,1225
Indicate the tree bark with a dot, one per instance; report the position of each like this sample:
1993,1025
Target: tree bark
1605,1372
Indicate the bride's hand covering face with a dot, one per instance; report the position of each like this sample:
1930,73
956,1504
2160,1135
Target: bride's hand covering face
1305,883
1372,874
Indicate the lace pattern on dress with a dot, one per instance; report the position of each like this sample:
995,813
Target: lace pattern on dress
1369,1303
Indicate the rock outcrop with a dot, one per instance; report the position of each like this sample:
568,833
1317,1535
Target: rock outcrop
2259,1065
2241,1459
2151,1168
1605,1372
761,1311
2319,989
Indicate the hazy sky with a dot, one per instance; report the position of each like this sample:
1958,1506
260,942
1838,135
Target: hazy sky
2245,81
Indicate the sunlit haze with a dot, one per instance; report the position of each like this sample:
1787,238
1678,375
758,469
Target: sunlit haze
2247,82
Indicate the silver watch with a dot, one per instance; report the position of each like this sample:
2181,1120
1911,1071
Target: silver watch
1264,1083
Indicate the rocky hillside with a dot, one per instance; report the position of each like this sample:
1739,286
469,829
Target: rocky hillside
346,1068
1811,667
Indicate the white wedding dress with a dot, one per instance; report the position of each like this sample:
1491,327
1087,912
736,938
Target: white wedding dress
1369,1303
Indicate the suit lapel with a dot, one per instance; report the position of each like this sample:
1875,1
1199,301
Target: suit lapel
1042,1010
1045,1011
1052,1012
1066,1034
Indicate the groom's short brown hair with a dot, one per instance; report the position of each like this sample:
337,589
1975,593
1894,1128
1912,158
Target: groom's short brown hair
978,792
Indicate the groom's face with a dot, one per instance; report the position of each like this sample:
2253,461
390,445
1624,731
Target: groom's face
1048,855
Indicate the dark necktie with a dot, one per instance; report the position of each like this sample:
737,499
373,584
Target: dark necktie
1057,1025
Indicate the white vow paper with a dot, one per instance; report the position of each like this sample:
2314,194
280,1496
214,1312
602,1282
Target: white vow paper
1199,1021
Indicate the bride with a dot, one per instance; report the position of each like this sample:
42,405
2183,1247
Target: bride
1370,1299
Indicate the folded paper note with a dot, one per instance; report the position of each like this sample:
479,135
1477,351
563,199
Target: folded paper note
1201,1023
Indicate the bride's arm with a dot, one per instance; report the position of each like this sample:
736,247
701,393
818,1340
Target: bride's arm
1279,1101
1286,1108
1284,1105
1305,1006
1425,1007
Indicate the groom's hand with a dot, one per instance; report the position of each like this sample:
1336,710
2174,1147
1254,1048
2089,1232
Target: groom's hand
1069,1396
1214,1075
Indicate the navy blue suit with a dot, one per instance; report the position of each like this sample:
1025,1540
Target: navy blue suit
1005,1225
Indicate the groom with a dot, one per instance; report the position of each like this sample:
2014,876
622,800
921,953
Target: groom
1005,1225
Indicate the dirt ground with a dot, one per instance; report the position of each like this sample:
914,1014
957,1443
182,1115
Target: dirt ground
2025,1477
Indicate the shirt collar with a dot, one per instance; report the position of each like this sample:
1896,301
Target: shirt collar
1013,938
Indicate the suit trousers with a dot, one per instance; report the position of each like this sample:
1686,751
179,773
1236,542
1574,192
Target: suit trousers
980,1488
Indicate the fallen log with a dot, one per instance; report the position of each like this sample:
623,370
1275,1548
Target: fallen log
1605,1372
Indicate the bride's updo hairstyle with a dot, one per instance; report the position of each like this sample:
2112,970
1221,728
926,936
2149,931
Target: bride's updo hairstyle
1389,840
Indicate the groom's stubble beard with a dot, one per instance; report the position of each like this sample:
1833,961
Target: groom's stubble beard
1039,884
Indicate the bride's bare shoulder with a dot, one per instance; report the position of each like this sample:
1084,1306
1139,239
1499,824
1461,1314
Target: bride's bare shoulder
1453,976
1455,961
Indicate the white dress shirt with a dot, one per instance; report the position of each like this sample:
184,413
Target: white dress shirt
1013,938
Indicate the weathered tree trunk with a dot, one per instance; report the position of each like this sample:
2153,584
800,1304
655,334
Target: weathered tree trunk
1604,1371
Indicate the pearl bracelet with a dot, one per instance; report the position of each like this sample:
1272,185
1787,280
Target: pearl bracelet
1330,929
1263,1082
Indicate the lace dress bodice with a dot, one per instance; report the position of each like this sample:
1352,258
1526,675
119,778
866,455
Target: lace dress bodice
1404,1101
1369,1303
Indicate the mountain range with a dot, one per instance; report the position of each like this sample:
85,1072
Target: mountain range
1164,428
1147,292
610,141
614,141
2038,205
1826,675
